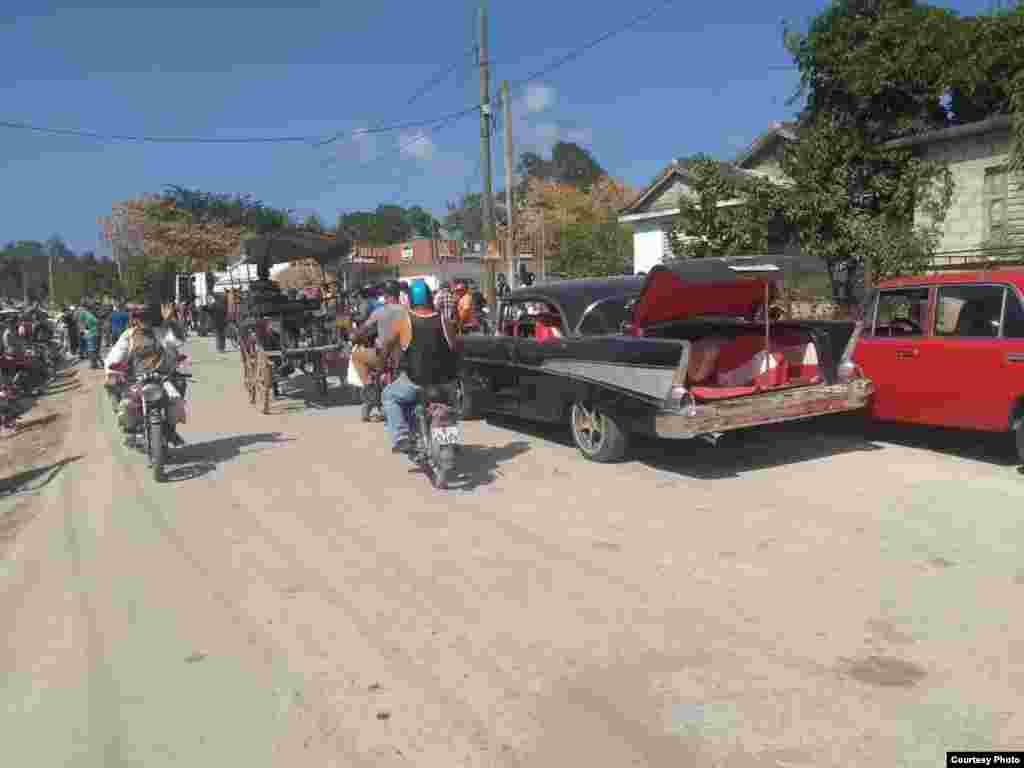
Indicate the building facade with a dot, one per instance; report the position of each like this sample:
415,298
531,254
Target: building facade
652,215
986,218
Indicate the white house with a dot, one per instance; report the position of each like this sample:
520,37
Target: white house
652,214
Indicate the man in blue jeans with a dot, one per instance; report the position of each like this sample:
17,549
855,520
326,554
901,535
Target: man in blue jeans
429,357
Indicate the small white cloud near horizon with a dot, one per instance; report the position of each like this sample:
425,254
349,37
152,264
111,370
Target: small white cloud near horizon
539,97
418,146
366,145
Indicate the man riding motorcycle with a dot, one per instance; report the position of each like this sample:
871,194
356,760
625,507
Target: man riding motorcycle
150,343
429,347
370,337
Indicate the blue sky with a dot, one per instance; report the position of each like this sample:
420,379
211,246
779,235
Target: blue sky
695,78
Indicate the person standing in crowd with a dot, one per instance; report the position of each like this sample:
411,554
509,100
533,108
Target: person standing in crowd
444,302
464,308
219,316
70,322
503,289
90,326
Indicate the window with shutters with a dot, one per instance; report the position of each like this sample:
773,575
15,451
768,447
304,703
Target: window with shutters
995,194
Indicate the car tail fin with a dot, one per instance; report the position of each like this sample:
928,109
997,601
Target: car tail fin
677,393
848,370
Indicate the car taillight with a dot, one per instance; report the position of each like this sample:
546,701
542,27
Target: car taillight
848,371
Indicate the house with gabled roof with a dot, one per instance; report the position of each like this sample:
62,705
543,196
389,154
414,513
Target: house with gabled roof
653,213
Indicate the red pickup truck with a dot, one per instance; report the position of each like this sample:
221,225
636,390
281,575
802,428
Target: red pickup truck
948,350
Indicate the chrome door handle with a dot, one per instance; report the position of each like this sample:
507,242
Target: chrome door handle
905,354
1015,357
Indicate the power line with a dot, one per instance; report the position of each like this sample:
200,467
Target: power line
316,140
577,52
424,89
441,76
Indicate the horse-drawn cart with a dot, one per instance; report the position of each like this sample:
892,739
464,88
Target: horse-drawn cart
279,335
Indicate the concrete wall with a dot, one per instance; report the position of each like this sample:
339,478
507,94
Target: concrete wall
968,159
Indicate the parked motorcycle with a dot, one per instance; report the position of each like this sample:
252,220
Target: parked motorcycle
24,371
436,436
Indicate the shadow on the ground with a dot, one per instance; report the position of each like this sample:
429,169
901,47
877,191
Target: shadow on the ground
751,450
23,481
996,448
304,388
736,452
477,465
225,449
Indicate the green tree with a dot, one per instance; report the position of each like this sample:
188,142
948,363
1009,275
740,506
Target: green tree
313,223
594,249
420,222
705,227
853,204
466,217
572,164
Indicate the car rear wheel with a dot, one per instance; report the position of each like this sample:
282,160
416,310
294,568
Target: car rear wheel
1018,432
466,404
596,433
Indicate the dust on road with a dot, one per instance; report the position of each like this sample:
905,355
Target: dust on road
297,595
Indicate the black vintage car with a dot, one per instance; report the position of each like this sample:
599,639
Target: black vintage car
683,352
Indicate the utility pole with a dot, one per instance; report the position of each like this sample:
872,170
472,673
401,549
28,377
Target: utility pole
487,207
52,295
510,240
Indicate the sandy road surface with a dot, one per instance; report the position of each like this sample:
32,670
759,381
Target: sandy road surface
298,597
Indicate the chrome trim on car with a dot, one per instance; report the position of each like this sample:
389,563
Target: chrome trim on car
766,408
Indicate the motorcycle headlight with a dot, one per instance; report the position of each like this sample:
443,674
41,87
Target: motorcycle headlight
152,393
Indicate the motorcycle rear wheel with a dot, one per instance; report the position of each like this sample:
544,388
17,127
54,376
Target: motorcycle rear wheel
157,449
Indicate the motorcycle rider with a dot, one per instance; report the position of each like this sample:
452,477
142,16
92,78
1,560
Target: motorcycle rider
429,348
364,356
150,343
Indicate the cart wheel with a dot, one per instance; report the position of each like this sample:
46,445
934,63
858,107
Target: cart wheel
264,377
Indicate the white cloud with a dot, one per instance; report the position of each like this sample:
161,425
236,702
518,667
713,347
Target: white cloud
366,145
539,97
418,145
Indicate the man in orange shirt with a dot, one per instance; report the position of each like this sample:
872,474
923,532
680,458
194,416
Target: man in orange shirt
464,309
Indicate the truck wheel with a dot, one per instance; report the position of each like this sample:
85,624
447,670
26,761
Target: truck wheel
596,434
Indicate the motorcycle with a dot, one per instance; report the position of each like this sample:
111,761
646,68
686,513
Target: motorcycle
379,378
9,407
436,436
154,396
25,372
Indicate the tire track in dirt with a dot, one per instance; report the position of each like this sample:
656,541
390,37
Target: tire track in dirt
274,655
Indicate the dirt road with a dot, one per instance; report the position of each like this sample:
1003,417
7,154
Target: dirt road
298,597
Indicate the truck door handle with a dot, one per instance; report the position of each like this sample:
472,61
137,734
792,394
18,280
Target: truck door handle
904,354
1015,357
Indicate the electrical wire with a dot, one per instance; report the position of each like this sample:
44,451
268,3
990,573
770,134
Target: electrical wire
424,89
315,140
577,52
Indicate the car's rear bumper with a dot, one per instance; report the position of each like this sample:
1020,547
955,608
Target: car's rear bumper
764,408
